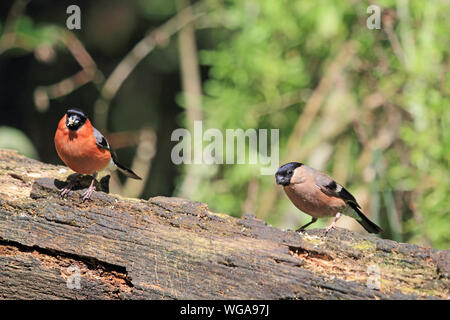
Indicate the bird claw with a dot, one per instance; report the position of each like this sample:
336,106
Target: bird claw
87,194
64,192
330,227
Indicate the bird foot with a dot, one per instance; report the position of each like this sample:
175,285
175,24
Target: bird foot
66,190
87,194
330,227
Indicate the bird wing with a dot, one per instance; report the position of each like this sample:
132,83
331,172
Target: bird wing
101,140
103,143
330,187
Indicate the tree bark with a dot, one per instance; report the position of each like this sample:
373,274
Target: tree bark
171,248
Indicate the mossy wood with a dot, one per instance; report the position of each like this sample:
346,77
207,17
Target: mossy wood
171,248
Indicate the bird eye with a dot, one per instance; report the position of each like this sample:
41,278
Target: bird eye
289,172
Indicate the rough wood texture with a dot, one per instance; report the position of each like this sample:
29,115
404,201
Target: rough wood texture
174,248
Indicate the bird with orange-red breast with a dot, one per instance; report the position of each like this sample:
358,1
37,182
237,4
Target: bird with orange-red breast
85,150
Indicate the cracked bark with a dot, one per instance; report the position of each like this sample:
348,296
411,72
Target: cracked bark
171,248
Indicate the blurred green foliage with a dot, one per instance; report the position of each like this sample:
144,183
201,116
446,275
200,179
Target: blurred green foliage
30,36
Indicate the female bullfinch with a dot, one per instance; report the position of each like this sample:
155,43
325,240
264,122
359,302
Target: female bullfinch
84,149
318,195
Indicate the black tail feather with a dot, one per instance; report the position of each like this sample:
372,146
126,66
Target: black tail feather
125,170
365,222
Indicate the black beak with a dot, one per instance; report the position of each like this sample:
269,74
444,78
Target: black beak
281,180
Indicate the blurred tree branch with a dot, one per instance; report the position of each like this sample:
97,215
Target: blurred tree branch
8,37
159,36
192,91
89,73
314,103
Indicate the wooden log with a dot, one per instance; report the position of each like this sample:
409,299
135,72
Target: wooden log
171,248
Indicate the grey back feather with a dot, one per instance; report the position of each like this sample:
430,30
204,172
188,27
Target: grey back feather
101,140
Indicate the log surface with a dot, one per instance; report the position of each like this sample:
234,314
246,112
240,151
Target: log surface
171,248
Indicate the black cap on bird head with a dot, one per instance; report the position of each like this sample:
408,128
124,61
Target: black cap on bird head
285,172
75,118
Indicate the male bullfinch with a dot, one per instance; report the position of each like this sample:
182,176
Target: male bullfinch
318,195
84,149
